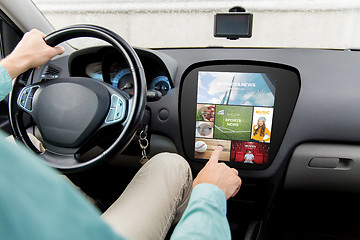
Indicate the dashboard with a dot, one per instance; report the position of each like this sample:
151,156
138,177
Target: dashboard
304,96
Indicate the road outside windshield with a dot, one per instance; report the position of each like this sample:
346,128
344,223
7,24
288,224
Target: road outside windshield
189,23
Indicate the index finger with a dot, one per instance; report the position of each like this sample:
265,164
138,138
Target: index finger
215,156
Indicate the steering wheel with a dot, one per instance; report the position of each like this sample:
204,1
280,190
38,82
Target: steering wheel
71,112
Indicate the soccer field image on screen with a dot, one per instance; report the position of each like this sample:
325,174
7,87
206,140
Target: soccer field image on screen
233,122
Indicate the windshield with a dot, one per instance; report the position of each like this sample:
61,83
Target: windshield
190,23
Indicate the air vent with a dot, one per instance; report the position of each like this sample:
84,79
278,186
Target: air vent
50,72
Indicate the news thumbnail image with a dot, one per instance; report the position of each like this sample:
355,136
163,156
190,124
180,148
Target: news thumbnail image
249,153
231,88
204,129
205,147
205,112
205,121
233,122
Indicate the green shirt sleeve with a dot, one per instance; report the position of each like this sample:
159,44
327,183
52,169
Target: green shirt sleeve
37,203
5,83
205,216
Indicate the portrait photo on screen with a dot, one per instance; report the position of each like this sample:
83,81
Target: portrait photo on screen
261,124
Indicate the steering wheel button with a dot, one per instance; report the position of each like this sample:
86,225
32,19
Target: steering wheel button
28,105
32,91
111,116
26,96
117,114
23,100
114,101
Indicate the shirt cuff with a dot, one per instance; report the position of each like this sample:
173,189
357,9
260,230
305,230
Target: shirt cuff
210,193
5,83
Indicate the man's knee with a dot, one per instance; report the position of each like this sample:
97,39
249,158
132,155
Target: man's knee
172,160
171,163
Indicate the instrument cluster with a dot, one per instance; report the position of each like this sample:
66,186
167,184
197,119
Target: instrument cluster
113,69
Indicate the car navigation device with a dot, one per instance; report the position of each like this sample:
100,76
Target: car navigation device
233,25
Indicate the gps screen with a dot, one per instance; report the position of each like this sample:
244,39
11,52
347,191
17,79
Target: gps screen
234,110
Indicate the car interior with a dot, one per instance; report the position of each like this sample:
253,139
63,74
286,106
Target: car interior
300,179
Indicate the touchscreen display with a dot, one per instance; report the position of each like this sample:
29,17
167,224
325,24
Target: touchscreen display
235,110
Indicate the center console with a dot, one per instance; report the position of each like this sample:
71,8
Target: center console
243,106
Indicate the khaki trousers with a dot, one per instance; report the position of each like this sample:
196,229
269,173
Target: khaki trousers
154,199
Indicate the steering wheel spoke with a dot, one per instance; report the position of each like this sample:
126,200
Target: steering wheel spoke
26,97
119,105
61,161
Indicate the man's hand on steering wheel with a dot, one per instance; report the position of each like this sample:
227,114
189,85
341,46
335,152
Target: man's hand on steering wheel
31,52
